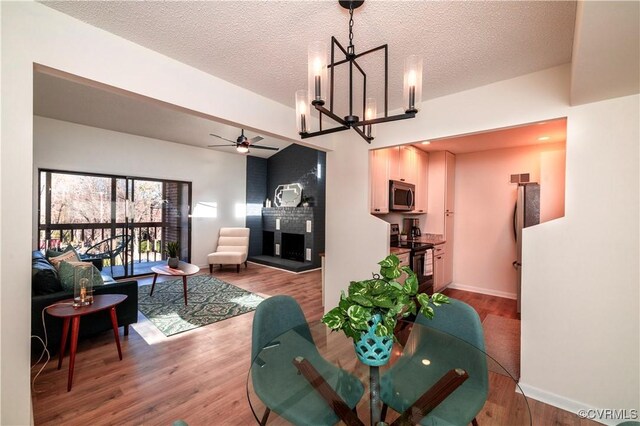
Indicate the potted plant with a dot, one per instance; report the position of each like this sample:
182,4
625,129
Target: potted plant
369,312
173,251
306,200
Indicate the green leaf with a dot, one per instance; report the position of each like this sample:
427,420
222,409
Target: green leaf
383,301
382,330
334,319
355,287
390,273
358,314
350,331
378,287
396,285
410,285
439,298
344,305
361,300
390,261
412,308
423,299
427,311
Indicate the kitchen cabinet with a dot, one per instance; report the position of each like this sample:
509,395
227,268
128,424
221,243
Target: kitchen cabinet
421,170
379,180
441,209
438,270
402,163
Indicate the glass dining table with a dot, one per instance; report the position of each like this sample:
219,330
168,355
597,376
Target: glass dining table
310,375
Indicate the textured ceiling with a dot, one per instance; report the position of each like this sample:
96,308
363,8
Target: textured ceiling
262,45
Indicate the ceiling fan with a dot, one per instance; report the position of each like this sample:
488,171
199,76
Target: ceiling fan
242,144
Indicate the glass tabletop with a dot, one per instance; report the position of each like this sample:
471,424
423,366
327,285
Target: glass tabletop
310,375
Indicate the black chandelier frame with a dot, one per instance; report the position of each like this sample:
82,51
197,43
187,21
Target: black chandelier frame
352,121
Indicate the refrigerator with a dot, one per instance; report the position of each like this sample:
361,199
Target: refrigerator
526,213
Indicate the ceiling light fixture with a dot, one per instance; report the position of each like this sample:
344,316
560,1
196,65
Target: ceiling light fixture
544,138
426,143
317,87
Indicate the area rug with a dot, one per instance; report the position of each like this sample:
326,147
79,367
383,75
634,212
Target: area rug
209,300
502,339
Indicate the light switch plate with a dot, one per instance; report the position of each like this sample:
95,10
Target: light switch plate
308,256
277,249
278,224
308,226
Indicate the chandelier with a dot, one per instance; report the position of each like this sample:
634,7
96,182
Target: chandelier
316,93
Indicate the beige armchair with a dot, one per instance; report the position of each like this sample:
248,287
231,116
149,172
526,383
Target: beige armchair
233,248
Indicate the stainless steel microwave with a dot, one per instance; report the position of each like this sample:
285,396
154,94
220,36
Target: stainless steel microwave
401,196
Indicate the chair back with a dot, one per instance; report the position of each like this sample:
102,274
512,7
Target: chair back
235,240
275,316
457,319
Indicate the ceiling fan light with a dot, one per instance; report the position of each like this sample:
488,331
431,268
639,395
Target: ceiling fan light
317,71
412,83
242,149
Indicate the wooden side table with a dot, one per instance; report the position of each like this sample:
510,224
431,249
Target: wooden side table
71,315
184,270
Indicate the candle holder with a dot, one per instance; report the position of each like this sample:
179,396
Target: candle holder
82,285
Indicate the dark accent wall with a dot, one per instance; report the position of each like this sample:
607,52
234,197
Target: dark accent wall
294,164
256,195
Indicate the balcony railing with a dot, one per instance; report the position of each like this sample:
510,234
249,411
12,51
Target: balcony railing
147,241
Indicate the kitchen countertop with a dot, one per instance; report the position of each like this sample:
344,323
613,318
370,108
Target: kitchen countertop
399,250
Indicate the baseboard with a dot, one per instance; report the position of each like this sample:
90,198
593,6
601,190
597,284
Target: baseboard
580,409
481,290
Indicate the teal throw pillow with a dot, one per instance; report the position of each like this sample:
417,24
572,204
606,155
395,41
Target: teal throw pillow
66,272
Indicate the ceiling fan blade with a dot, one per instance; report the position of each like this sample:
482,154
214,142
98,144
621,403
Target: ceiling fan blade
210,146
225,139
265,147
255,139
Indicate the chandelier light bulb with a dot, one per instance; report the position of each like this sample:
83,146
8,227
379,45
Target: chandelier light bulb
412,83
317,71
302,100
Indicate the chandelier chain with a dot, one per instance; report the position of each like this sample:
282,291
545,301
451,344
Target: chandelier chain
351,24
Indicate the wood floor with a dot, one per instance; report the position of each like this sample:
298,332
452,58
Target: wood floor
200,376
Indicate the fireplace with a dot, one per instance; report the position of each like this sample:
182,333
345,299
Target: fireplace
292,247
268,239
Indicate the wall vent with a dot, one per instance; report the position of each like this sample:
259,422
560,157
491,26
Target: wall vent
521,178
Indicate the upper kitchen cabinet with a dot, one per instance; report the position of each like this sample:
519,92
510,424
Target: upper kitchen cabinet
379,180
402,163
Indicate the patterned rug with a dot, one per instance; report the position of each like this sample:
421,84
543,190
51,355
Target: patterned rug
209,300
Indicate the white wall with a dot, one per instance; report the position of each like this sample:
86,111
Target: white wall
484,247
215,176
580,322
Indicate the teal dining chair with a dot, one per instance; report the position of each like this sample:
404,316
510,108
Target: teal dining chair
281,334
421,365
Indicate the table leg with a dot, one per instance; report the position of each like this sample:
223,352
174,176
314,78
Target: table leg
63,340
75,327
155,277
374,394
184,285
114,323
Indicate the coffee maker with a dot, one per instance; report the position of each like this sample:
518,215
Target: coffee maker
412,227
